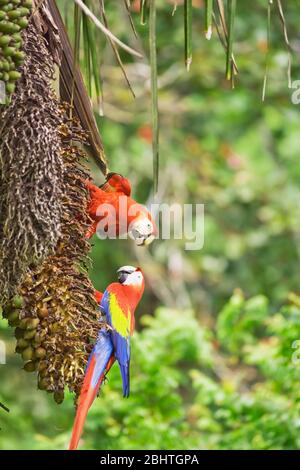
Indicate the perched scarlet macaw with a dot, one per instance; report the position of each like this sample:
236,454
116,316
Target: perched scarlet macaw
118,303
131,217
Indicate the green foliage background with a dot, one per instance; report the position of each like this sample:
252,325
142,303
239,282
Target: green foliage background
213,364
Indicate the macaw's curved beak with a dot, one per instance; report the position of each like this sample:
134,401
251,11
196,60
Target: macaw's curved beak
142,232
124,272
145,240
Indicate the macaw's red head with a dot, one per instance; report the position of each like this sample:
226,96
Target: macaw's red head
117,183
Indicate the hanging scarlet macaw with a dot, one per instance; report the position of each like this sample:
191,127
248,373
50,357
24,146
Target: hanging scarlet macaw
121,215
118,303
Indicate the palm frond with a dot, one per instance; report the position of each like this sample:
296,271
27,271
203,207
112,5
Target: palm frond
127,7
219,13
270,3
115,49
154,92
231,7
144,8
81,101
208,18
106,31
287,42
188,17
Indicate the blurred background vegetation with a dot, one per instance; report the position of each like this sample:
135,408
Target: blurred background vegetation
212,358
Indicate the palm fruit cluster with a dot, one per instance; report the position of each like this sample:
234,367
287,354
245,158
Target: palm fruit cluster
44,287
12,310
59,319
31,167
14,16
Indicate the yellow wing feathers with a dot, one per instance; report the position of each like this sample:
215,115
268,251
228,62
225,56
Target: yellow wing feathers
121,320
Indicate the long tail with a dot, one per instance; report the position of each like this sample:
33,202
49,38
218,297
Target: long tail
124,368
100,362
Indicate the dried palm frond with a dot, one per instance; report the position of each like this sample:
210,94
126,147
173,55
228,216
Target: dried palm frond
72,89
54,312
59,317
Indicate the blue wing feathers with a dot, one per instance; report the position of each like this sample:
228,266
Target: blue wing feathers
102,352
121,345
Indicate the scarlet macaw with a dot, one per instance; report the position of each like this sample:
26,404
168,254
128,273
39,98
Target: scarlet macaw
118,303
130,216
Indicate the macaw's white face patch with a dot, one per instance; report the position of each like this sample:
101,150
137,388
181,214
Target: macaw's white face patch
141,231
130,276
134,279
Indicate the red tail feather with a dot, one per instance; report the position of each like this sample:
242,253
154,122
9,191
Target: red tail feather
87,396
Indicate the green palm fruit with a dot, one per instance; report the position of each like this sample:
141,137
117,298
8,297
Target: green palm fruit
23,323
14,14
17,300
43,312
16,37
40,353
43,384
8,27
13,315
40,336
19,56
17,45
30,334
22,22
7,308
5,65
4,40
27,354
42,366
29,323
8,51
22,343
43,373
30,366
59,396
32,323
23,11
10,88
19,333
8,7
